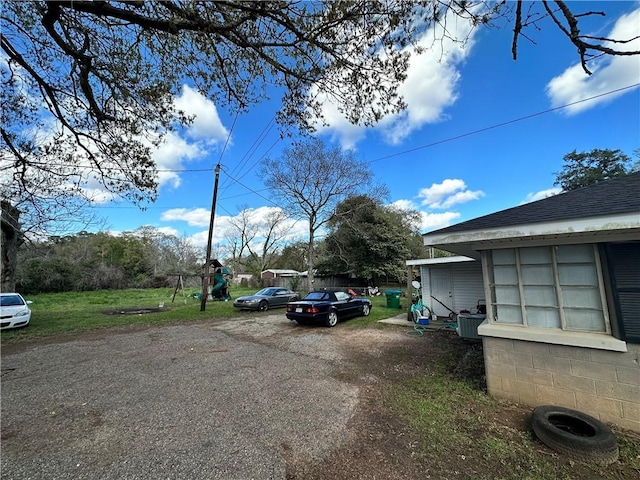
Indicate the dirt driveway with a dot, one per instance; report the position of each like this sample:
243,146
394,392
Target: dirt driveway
257,398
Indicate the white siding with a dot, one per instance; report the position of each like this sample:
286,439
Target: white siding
466,284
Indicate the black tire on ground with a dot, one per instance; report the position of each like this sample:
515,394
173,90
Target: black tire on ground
575,434
263,306
332,319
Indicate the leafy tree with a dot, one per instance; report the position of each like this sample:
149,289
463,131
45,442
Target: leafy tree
89,261
87,87
292,257
369,240
587,168
310,180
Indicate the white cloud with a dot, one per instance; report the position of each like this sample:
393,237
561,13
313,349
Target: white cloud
434,221
428,220
169,231
430,87
175,150
549,192
609,73
198,217
206,123
171,155
450,192
404,204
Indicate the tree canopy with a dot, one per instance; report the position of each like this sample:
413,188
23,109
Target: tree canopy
87,87
145,257
371,241
586,168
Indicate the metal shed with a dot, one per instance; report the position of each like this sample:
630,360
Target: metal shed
455,281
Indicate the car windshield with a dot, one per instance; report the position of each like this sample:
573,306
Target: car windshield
10,300
267,292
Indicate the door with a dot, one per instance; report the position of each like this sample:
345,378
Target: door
442,289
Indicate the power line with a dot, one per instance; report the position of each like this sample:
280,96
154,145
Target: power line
253,147
404,152
497,125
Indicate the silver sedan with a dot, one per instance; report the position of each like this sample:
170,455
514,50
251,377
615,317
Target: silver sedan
266,298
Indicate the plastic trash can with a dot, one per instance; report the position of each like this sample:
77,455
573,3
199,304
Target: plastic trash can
393,298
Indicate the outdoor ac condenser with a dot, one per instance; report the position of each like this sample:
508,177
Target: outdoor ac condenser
468,324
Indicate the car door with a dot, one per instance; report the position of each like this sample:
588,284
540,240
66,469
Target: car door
280,298
344,304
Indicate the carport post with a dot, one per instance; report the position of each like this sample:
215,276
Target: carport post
409,293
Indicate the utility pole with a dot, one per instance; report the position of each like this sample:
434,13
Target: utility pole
205,279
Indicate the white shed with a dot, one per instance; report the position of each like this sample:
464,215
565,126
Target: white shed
455,281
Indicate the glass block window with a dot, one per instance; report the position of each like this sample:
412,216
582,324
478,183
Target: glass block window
548,287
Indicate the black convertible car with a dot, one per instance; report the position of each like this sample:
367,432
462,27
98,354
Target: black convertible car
327,307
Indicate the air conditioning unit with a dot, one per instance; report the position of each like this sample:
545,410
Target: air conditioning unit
468,324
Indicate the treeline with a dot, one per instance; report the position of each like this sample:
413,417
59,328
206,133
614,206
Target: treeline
364,240
143,258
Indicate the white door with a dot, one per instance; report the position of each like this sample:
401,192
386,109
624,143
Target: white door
442,289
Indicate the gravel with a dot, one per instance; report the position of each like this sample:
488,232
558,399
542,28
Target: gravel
220,400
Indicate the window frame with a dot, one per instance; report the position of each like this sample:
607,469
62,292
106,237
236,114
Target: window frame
493,304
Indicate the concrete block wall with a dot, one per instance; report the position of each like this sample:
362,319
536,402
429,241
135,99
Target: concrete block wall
604,384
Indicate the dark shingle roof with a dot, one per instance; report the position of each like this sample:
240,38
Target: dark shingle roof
609,197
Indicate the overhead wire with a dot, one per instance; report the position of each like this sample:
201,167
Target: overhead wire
253,147
270,125
502,124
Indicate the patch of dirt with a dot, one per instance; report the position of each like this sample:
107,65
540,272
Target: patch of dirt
382,444
134,311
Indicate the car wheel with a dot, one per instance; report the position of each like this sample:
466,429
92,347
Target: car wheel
365,310
575,434
263,306
332,319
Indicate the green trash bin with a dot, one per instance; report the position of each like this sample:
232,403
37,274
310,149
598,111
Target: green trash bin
393,298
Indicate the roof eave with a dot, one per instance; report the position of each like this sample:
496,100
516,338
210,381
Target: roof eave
589,230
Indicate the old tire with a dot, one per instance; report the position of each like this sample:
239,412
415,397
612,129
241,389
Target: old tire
332,319
575,434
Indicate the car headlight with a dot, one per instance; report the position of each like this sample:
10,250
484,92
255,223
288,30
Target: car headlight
252,300
22,313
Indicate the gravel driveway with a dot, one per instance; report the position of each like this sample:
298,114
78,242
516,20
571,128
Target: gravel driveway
233,399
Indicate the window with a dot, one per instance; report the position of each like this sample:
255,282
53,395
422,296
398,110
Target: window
548,287
624,271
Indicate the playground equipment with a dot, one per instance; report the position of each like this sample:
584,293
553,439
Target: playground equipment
218,282
219,290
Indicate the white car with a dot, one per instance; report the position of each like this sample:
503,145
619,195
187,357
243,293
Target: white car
14,311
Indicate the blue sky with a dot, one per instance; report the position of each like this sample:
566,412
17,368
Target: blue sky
475,139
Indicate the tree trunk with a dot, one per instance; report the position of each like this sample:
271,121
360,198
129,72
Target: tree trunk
310,261
11,240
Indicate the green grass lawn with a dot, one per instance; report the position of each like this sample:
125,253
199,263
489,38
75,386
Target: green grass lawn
72,312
